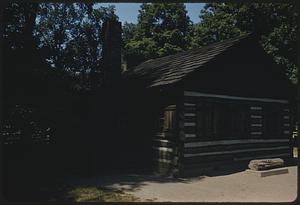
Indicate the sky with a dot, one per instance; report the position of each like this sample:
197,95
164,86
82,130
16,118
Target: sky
128,12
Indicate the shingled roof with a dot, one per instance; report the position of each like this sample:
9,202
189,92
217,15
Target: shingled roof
173,68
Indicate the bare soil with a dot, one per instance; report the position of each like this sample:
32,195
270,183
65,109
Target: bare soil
220,186
237,187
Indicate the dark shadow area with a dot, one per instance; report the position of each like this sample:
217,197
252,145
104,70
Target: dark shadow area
47,188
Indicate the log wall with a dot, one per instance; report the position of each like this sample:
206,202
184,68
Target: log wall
219,130
164,142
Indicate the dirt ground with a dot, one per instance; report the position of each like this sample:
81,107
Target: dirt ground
237,187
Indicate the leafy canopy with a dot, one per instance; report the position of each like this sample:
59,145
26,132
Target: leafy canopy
162,29
71,34
275,23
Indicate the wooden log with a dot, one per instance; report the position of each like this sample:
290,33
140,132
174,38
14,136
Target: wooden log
264,164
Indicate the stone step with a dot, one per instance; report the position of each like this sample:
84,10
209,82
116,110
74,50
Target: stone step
270,172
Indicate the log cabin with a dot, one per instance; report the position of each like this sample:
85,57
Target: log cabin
187,113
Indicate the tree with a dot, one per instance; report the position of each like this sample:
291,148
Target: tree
275,23
129,30
23,89
162,29
19,20
19,45
70,36
65,35
46,45
216,25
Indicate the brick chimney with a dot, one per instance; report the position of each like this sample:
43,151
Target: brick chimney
111,51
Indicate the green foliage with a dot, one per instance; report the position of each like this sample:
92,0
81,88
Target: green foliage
49,48
216,25
128,32
65,35
71,36
19,19
275,23
68,35
162,29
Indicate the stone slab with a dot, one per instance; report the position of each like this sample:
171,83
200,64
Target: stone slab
265,164
270,172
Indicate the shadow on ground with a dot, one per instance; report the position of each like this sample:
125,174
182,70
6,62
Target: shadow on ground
133,181
30,187
126,182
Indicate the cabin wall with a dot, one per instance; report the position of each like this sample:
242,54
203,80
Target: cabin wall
165,140
220,130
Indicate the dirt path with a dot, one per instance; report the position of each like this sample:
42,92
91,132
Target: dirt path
237,187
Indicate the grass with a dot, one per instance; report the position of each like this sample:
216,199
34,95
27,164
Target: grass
61,191
58,189
98,194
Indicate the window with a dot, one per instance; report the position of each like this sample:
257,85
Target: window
273,121
238,121
166,122
221,120
205,119
169,119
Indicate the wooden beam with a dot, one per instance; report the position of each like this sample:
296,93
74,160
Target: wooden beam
197,94
255,133
187,124
255,108
163,149
164,161
189,104
262,156
160,140
235,151
256,116
231,142
190,135
189,114
256,125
